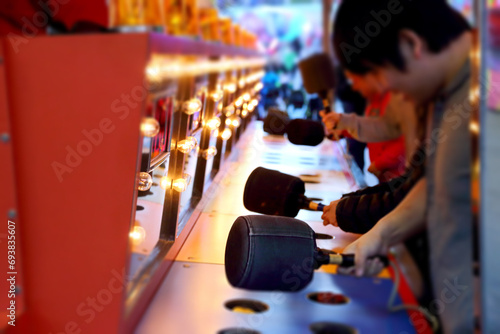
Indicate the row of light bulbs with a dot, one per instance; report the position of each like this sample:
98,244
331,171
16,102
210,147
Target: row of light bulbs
145,181
150,127
164,67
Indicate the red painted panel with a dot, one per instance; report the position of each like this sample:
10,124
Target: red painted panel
11,302
75,116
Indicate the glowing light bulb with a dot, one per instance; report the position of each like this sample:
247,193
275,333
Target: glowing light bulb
219,107
229,110
244,114
149,127
235,121
181,184
172,69
228,121
246,97
165,182
213,123
209,152
138,235
216,95
153,72
238,102
474,127
250,107
226,134
230,87
144,181
192,106
187,145
254,102
215,133
241,82
258,86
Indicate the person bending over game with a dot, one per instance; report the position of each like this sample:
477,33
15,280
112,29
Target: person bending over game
357,212
387,155
397,119
421,49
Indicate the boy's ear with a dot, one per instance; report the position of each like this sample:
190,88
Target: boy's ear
410,44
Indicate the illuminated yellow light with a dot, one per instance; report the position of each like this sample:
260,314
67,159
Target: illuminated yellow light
474,127
258,86
153,73
209,152
228,121
230,87
192,106
138,235
149,127
229,110
165,182
226,134
144,181
216,95
254,102
192,69
238,102
171,69
246,97
251,107
187,145
215,133
182,183
161,67
476,92
475,54
241,82
245,106
235,121
244,113
179,185
213,123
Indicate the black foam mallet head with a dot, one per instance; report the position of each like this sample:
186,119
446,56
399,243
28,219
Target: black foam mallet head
262,252
318,74
305,132
271,192
276,121
276,253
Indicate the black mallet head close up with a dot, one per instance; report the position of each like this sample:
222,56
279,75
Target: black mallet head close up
262,252
271,192
318,74
305,132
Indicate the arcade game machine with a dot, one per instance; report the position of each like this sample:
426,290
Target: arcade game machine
122,119
127,141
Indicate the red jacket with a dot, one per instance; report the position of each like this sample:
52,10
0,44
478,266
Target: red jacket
388,157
